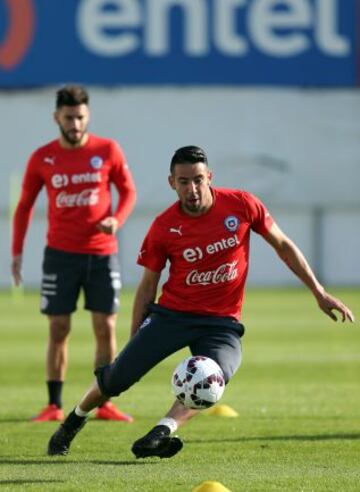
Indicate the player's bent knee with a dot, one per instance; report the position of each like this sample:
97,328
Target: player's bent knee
227,375
229,370
110,382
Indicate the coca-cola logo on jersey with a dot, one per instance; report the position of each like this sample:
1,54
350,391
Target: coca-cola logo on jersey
223,273
85,198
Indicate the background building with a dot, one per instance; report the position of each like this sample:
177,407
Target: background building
268,87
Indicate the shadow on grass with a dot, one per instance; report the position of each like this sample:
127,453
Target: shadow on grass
28,420
318,437
60,461
14,420
25,482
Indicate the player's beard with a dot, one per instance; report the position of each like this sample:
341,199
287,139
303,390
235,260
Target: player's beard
75,139
193,206
199,203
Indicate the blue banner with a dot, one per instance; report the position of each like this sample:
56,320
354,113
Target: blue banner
186,42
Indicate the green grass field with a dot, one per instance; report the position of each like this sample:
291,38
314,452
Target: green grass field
297,395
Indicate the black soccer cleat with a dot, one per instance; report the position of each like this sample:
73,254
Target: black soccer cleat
157,442
59,443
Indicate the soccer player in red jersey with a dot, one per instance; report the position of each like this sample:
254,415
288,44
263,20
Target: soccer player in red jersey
77,171
205,237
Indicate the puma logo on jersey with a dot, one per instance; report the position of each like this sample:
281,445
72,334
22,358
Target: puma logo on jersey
49,160
177,231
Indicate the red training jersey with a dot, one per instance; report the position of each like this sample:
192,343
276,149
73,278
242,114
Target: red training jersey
208,255
78,185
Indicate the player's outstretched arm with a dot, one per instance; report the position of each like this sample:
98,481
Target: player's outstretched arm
296,261
329,304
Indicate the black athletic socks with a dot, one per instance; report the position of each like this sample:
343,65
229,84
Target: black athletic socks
73,421
55,392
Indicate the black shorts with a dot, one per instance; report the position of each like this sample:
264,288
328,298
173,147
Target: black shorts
65,274
164,332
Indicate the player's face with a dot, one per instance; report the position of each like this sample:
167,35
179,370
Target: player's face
73,122
192,185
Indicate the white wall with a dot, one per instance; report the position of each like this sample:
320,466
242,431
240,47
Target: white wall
298,150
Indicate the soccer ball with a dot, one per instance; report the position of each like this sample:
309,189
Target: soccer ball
198,382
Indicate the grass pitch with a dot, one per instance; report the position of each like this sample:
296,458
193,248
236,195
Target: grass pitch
297,395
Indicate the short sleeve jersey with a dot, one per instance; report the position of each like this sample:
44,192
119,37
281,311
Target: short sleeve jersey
78,185
208,254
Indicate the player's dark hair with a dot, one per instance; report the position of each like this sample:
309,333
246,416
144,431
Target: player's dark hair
188,155
71,95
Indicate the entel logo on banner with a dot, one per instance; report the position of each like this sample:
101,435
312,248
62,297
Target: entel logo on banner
19,33
273,31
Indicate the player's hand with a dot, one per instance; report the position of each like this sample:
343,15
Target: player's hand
329,304
16,266
109,225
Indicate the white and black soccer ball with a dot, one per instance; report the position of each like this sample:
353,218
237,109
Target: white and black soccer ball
198,382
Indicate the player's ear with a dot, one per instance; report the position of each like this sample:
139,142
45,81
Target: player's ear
87,113
210,176
56,117
171,181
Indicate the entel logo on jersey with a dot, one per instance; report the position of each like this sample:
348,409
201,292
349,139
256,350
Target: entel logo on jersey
195,254
19,33
62,180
